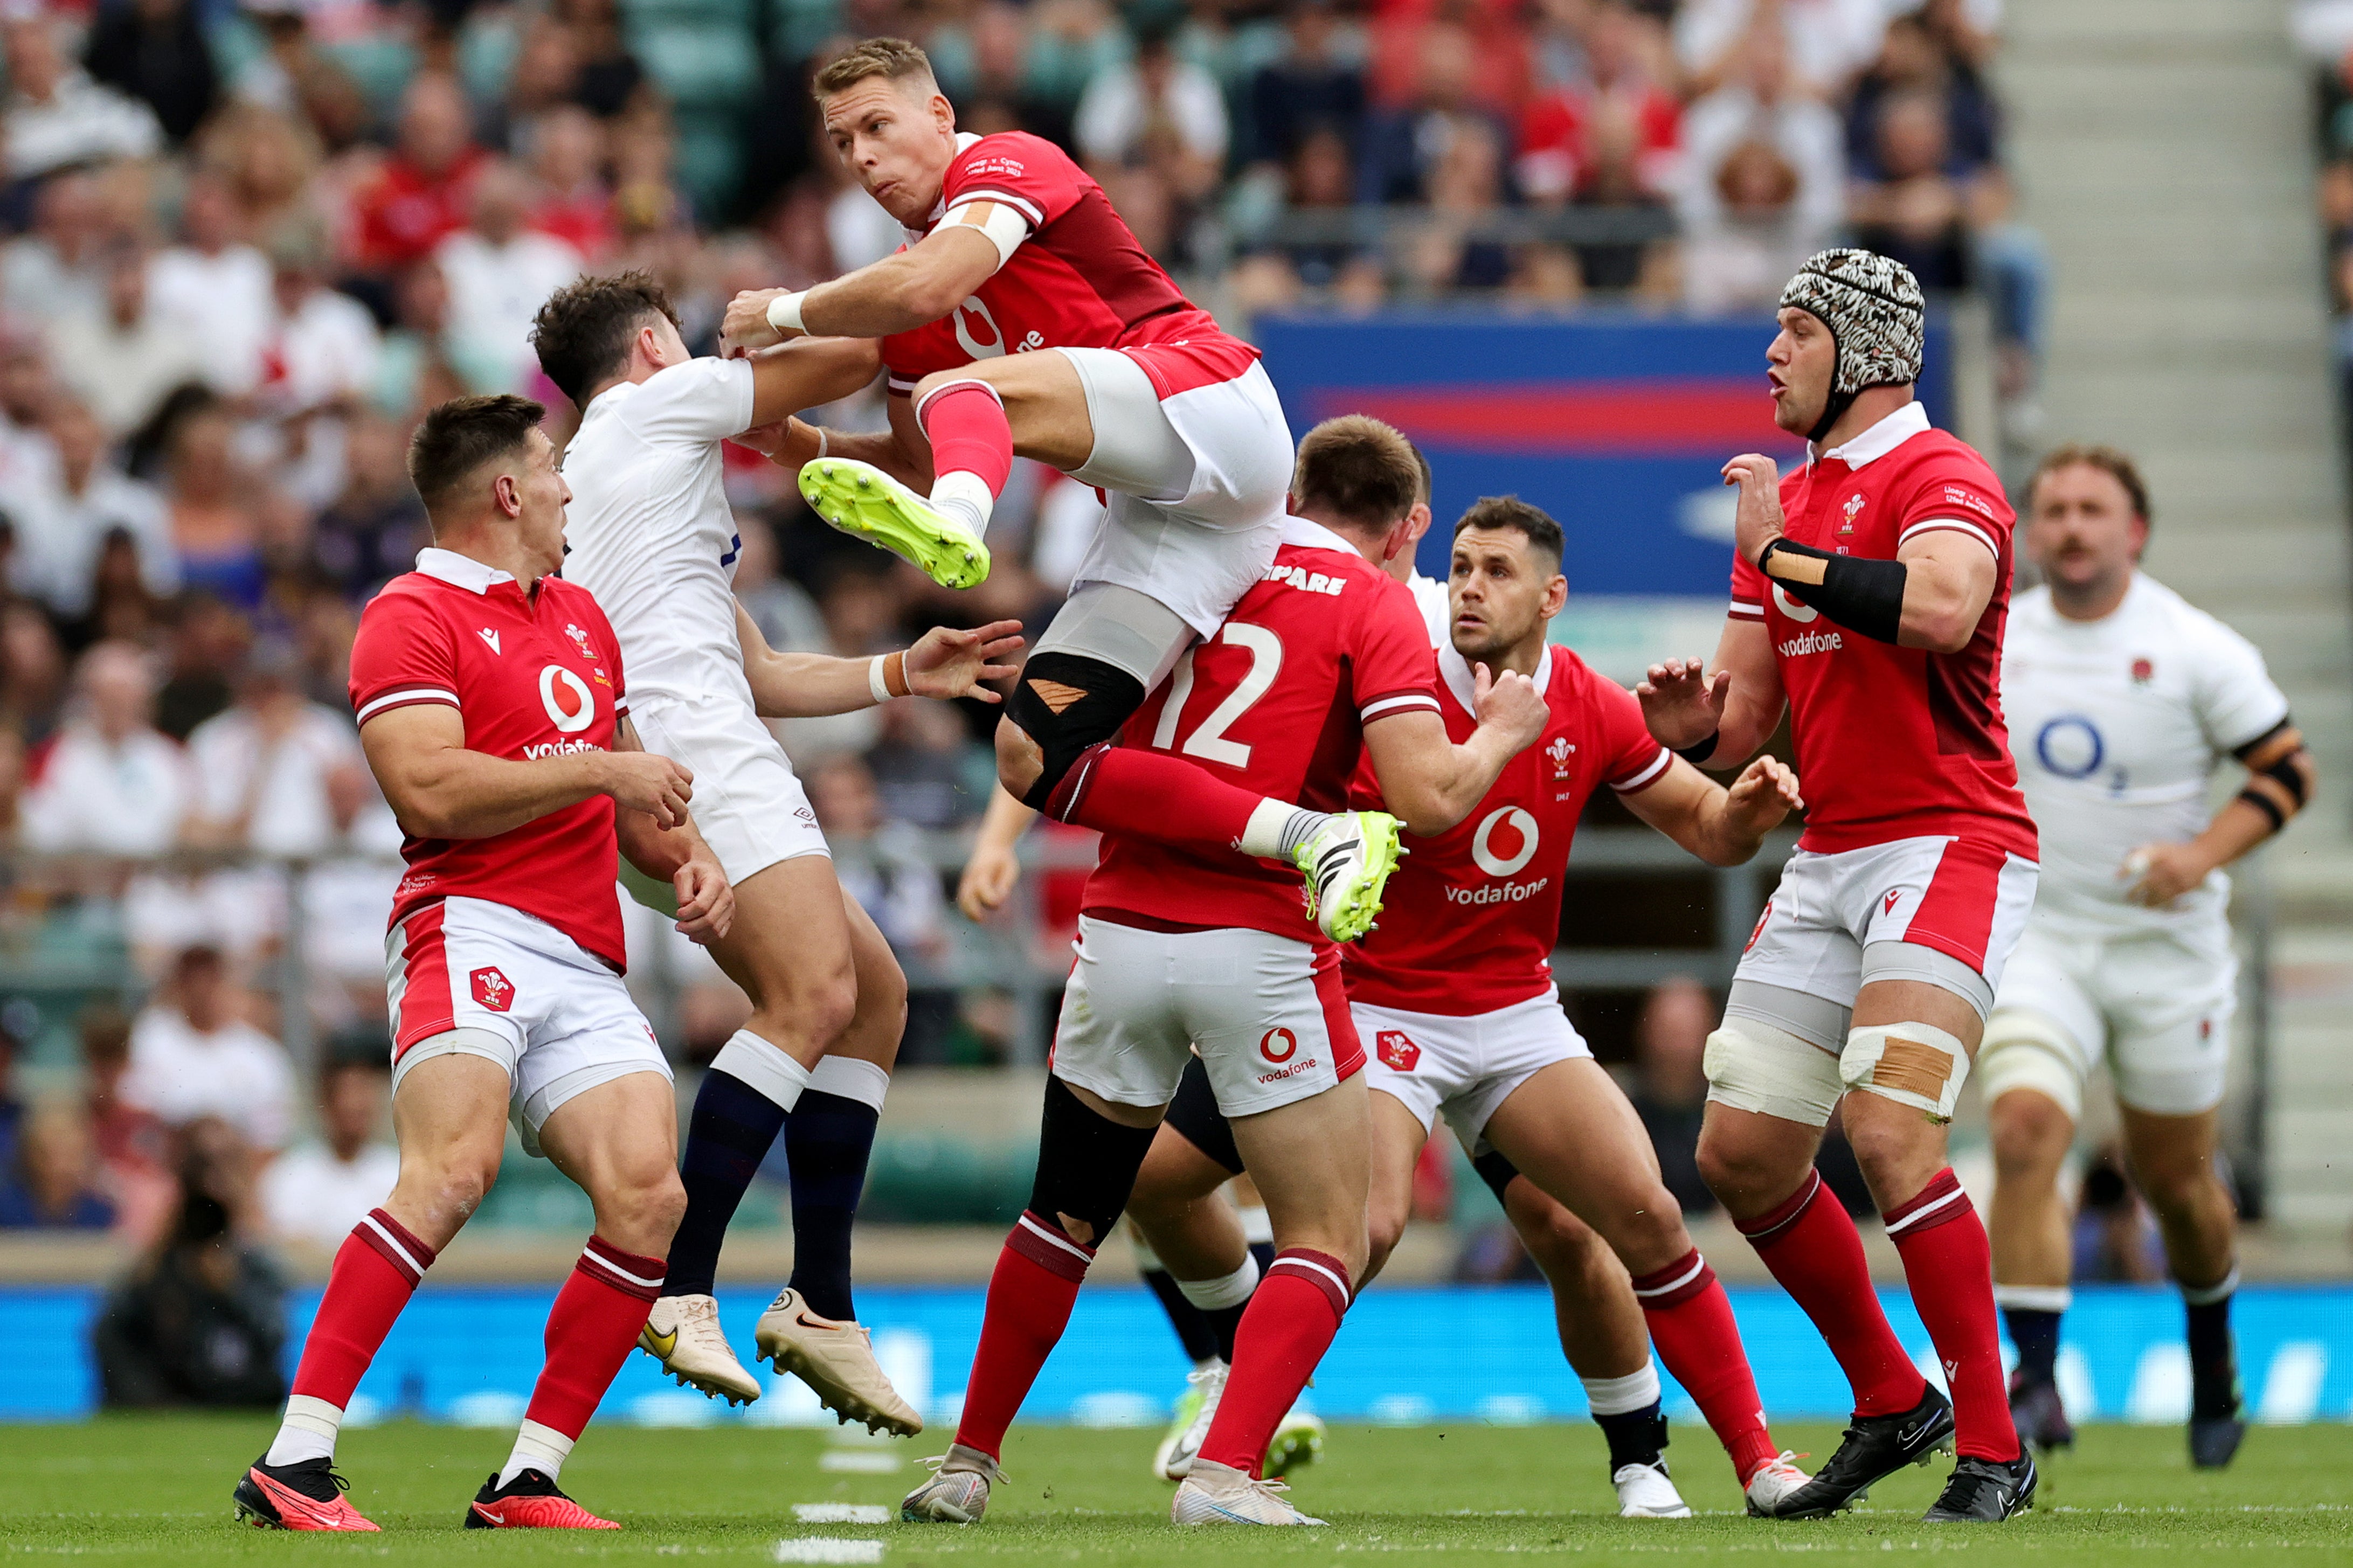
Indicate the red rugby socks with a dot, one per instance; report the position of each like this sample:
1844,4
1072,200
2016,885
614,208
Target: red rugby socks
590,1332
1154,796
1949,1267
972,448
1284,1332
1814,1250
375,1273
1691,1325
1030,1292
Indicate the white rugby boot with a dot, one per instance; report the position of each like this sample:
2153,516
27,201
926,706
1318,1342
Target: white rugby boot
1213,1493
1771,1487
958,1491
683,1332
1174,1459
1647,1491
1347,862
837,1360
1298,1442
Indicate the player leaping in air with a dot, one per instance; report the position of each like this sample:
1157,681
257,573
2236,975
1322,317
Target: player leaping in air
1868,598
1023,317
493,710
1197,948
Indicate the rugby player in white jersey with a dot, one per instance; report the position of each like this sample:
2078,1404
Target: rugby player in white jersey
652,534
2124,700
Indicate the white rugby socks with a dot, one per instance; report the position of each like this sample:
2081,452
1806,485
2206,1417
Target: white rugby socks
539,1447
965,496
767,1070
308,1431
1277,829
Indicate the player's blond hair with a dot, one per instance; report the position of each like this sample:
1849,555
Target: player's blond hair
1358,468
893,59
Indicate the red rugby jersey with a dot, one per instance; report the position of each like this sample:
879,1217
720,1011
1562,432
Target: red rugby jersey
1894,742
1472,916
1079,280
1276,703
532,676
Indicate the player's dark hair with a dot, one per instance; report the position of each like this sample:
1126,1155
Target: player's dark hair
458,436
1421,461
893,59
583,332
1358,469
1543,534
2107,459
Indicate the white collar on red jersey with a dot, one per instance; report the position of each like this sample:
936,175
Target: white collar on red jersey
1882,439
461,571
1310,534
940,208
1455,670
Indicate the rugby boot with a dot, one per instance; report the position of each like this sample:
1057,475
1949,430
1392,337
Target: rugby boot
2214,1439
957,1493
1219,1494
1986,1491
1773,1485
1647,1491
1206,1386
683,1332
1347,862
836,1359
1298,1442
1872,1448
529,1501
307,1495
864,502
2039,1414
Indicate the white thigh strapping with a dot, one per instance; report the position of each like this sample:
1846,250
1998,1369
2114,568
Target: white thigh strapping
2024,1048
1753,1067
1912,1064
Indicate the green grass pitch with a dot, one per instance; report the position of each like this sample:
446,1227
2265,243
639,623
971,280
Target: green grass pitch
150,1489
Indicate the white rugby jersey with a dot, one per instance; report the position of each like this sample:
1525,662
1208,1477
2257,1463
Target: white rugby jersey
652,534
1430,596
2117,726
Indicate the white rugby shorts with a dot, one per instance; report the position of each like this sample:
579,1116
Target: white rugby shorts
1961,896
1266,1014
748,803
1195,483
2157,1004
563,1021
1463,1067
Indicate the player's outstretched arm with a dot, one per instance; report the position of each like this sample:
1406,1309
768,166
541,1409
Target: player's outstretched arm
946,663
438,789
897,294
706,903
1722,827
794,443
1429,783
809,372
990,875
1738,704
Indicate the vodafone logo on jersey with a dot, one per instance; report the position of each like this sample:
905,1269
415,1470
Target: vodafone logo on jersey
977,309
1397,1050
569,704
1521,831
1277,1045
493,989
1797,612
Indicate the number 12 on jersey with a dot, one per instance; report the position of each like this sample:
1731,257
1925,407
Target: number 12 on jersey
1208,740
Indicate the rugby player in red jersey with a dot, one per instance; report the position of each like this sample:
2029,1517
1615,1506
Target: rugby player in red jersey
1454,998
492,706
1195,948
1023,317
1868,597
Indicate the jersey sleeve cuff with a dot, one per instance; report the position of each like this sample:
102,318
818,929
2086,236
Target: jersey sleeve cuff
1022,204
1748,609
1395,703
1952,524
1646,775
403,697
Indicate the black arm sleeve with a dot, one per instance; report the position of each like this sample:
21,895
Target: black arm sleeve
1866,596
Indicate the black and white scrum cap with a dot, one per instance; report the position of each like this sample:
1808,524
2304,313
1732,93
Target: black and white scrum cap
1876,313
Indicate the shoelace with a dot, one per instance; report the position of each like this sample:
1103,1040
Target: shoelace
995,1473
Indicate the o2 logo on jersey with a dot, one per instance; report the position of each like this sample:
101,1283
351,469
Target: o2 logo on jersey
2070,746
1483,843
1277,1045
566,699
1792,608
493,989
972,309
1397,1050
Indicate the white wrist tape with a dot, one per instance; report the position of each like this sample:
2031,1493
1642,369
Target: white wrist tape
1911,1064
878,683
785,312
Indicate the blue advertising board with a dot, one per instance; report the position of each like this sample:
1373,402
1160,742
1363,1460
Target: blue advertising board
1615,423
1405,1354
